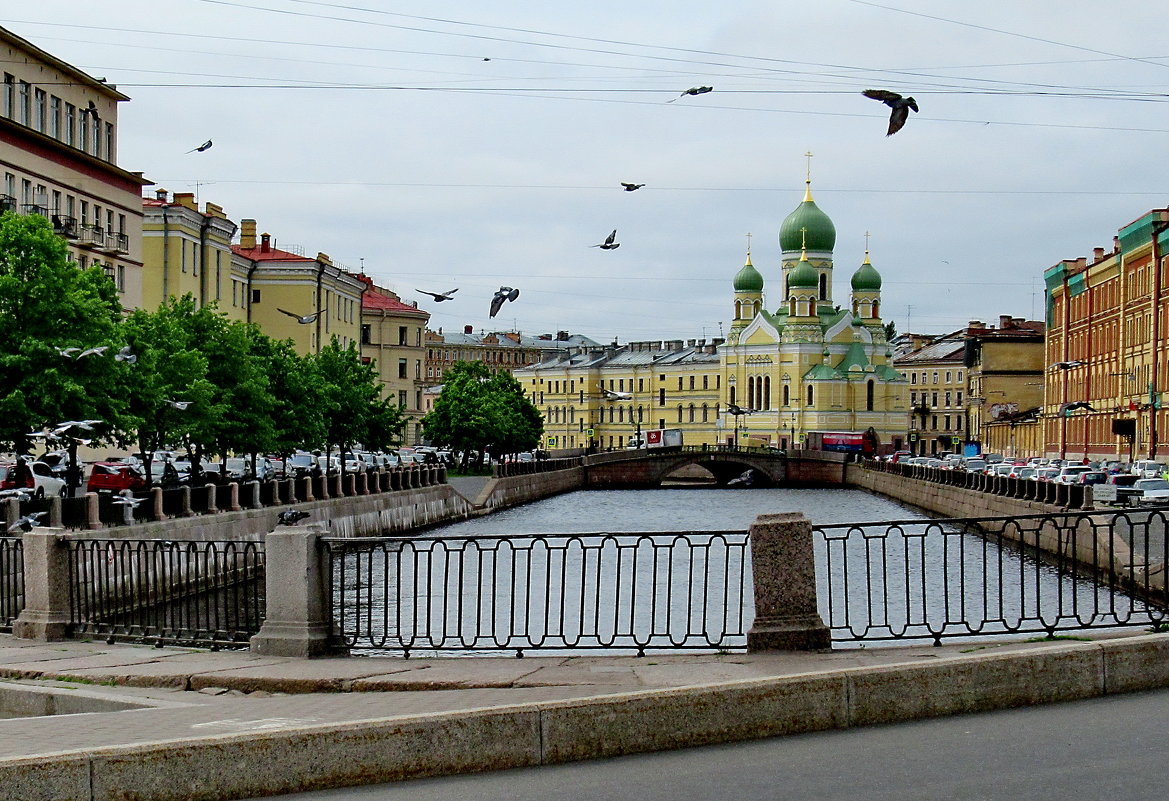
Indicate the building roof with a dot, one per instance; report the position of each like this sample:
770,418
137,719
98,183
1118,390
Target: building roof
378,301
269,253
748,279
821,233
866,278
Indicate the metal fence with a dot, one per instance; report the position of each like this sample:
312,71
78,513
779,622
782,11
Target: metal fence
11,581
932,579
634,592
192,593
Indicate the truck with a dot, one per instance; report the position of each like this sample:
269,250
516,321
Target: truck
655,438
842,441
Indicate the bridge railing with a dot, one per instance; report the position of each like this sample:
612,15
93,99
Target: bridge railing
514,467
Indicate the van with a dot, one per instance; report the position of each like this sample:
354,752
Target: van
1146,468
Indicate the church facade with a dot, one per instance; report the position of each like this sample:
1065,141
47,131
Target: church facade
808,364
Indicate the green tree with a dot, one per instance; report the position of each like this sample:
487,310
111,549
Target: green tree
297,395
890,331
354,411
50,312
519,426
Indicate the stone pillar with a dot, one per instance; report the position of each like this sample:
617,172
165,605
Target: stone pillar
784,573
363,483
185,496
156,507
290,484
336,486
45,616
127,510
11,512
212,499
396,479
296,623
92,511
233,504
55,519
307,495
442,474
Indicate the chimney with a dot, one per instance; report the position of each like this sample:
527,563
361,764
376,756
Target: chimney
976,324
1004,321
247,234
1116,244
160,194
561,336
265,243
186,200
323,258
1097,254
468,330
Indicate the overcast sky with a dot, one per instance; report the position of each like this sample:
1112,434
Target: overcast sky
477,144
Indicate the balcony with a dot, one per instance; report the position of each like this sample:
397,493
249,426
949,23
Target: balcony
92,236
65,226
7,203
36,208
117,243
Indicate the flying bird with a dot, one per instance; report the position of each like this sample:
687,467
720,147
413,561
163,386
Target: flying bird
631,187
68,352
439,297
505,293
609,243
291,517
1068,408
180,405
307,318
1067,365
738,410
92,111
694,90
201,148
124,355
614,395
27,522
98,351
127,500
20,493
900,105
84,425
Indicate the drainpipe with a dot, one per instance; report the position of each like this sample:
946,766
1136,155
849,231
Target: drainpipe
165,253
206,224
320,279
1158,228
251,271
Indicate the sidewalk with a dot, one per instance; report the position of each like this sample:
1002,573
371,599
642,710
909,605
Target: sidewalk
233,725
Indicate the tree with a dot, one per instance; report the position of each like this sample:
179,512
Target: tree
890,331
354,410
519,426
51,312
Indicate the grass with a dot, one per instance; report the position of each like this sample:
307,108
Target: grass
1050,637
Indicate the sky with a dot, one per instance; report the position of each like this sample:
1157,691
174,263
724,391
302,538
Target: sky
442,144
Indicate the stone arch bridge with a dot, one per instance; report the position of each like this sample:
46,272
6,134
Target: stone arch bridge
648,468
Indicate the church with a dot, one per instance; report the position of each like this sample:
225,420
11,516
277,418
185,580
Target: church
810,365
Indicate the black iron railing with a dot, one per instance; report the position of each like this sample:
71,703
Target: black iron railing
193,593
932,579
634,592
11,581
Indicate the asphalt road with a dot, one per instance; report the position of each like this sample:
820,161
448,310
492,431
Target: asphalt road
1111,749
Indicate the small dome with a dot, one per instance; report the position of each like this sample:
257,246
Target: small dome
866,279
748,279
820,235
804,275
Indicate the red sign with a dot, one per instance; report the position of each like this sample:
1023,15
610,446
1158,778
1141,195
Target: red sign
653,437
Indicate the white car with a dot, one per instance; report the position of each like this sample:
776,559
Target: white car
1153,490
45,483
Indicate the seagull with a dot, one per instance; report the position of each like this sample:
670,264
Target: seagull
124,355
608,244
19,493
1067,365
738,410
98,351
307,318
614,395
27,522
180,405
68,352
694,90
631,187
291,517
900,105
201,148
439,297
84,425
92,111
504,293
127,500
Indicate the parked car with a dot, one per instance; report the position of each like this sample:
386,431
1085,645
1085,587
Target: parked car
112,477
300,465
1153,491
39,481
1046,473
1092,477
1148,469
1071,474
897,456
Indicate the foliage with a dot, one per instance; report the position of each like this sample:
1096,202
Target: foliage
478,411
355,412
890,331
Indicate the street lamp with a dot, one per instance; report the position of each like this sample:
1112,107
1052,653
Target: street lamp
737,412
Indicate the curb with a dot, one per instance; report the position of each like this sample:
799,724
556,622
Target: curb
525,735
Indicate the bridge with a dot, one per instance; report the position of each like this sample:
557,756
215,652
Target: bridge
770,467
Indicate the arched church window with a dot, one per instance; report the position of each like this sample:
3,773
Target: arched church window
786,395
738,310
766,393
811,395
823,286
869,392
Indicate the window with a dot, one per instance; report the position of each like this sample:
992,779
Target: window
935,376
959,399
403,332
365,334
948,378
403,367
121,278
691,382
811,395
9,96
869,392
402,396
83,131
40,110
679,383
706,382
109,141
786,395
24,109
255,296
662,397
70,124
55,117
913,378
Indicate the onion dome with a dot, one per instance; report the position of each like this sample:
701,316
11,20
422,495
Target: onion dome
866,279
748,279
803,275
820,232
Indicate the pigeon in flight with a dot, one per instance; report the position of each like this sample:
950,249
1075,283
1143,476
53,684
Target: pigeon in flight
180,405
201,148
631,187
738,410
439,297
291,517
505,293
615,395
92,111
124,355
609,243
27,522
307,318
1068,408
1067,365
127,500
900,105
20,493
98,351
84,425
694,90
68,352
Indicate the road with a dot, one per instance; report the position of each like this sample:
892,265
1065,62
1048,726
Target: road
1112,748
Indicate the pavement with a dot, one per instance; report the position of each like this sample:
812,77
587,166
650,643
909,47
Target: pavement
139,722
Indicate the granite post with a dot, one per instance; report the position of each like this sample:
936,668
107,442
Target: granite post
784,573
45,616
296,623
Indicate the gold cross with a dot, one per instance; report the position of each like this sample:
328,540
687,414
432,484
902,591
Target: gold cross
808,155
748,243
804,238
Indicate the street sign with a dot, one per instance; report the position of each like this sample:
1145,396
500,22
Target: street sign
551,442
588,432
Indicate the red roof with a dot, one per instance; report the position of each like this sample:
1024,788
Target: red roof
258,253
376,301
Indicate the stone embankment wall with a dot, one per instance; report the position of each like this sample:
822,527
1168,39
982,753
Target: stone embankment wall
942,499
500,493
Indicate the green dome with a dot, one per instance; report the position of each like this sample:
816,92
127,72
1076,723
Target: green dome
821,233
803,276
866,279
748,279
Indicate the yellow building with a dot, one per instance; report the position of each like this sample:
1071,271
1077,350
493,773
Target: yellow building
1005,385
937,394
288,295
392,341
186,250
58,157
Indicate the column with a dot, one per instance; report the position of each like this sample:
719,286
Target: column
784,573
296,623
45,616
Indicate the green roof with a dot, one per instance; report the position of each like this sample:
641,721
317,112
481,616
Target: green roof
822,372
804,275
866,279
820,235
748,279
